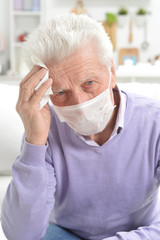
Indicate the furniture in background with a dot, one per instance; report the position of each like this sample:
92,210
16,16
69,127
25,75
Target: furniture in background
131,54
22,22
11,130
111,30
142,73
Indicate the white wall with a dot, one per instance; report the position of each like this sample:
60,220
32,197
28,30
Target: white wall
97,9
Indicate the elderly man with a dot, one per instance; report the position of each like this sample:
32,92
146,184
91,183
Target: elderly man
89,162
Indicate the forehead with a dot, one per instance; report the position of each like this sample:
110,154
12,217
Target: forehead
79,65
79,71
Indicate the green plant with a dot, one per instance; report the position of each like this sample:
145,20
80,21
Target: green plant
111,18
141,11
122,11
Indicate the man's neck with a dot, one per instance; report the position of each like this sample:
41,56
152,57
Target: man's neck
102,137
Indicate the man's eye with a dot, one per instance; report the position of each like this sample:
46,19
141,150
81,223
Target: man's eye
89,83
60,93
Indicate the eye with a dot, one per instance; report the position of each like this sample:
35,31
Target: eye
89,85
89,82
60,93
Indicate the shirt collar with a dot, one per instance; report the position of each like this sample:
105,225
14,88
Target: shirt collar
121,112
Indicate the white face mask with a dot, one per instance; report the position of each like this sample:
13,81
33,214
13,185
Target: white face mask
89,117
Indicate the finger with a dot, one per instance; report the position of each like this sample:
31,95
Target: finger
38,94
33,71
27,89
46,106
33,81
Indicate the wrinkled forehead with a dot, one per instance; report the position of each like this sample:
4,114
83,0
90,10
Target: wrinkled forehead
75,69
80,71
69,81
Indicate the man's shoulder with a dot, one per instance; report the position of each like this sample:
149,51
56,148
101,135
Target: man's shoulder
141,101
142,107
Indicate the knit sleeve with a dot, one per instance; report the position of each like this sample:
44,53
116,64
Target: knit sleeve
30,195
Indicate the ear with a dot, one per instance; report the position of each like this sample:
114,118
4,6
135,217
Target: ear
113,78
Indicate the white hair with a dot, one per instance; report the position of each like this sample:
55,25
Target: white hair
65,34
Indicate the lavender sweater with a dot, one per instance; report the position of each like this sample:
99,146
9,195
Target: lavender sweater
99,192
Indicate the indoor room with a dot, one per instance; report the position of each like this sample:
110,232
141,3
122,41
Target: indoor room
133,28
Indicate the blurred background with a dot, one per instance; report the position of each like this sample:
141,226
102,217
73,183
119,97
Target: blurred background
134,29
133,26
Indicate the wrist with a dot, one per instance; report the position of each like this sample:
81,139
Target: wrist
33,154
34,141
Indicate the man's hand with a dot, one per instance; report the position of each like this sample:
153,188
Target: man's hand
36,122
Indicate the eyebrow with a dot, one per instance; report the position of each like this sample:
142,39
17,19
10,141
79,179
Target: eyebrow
86,78
63,89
